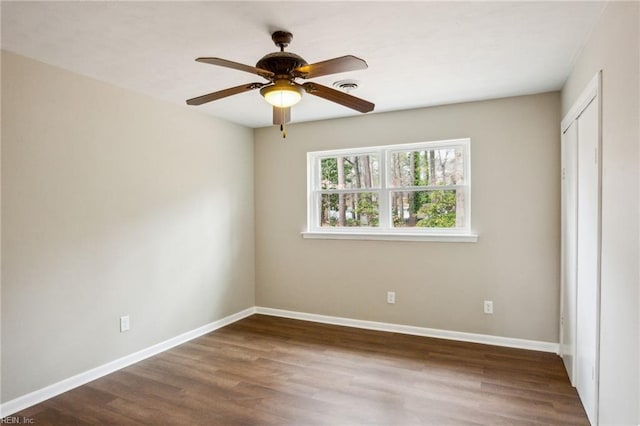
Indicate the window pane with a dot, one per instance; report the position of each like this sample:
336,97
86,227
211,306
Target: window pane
437,166
428,209
358,210
350,172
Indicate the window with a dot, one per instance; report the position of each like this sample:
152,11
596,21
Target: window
414,191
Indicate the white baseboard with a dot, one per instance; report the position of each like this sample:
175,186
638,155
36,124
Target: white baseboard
65,385
417,331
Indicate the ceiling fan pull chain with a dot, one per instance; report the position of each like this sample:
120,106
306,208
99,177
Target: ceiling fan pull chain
282,121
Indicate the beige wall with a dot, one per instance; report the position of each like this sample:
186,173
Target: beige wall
113,204
515,165
614,48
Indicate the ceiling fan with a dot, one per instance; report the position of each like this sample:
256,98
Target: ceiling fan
281,70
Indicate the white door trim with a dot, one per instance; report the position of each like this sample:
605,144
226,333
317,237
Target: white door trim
593,89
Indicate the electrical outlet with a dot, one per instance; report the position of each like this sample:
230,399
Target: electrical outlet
391,297
124,323
488,306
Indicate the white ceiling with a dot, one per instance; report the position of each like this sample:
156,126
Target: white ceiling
419,53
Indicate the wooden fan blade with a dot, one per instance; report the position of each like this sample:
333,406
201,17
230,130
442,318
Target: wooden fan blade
281,115
338,97
237,66
223,93
330,66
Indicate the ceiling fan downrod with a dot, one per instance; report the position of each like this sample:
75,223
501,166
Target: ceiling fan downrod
282,39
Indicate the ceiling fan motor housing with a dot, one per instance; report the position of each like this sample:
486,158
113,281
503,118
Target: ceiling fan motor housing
281,63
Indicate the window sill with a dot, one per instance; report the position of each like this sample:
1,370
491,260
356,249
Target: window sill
375,236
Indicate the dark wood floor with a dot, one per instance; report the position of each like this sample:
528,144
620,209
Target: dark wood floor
273,371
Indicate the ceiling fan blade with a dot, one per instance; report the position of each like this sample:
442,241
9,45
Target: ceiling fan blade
224,93
236,66
281,115
331,66
338,97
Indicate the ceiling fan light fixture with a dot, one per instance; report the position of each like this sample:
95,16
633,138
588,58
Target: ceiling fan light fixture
282,94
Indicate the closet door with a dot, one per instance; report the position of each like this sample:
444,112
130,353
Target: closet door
569,247
580,246
588,260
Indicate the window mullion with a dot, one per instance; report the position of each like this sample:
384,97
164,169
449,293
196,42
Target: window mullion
384,204
429,188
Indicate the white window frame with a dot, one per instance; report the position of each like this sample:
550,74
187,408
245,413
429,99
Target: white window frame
385,230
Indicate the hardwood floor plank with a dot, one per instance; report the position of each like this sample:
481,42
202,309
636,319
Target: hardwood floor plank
272,371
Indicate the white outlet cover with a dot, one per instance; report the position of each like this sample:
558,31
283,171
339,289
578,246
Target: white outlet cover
124,323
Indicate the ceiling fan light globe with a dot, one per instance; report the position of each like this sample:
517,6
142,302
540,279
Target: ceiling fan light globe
282,95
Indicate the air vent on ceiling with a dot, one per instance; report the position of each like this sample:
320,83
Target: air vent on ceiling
346,85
